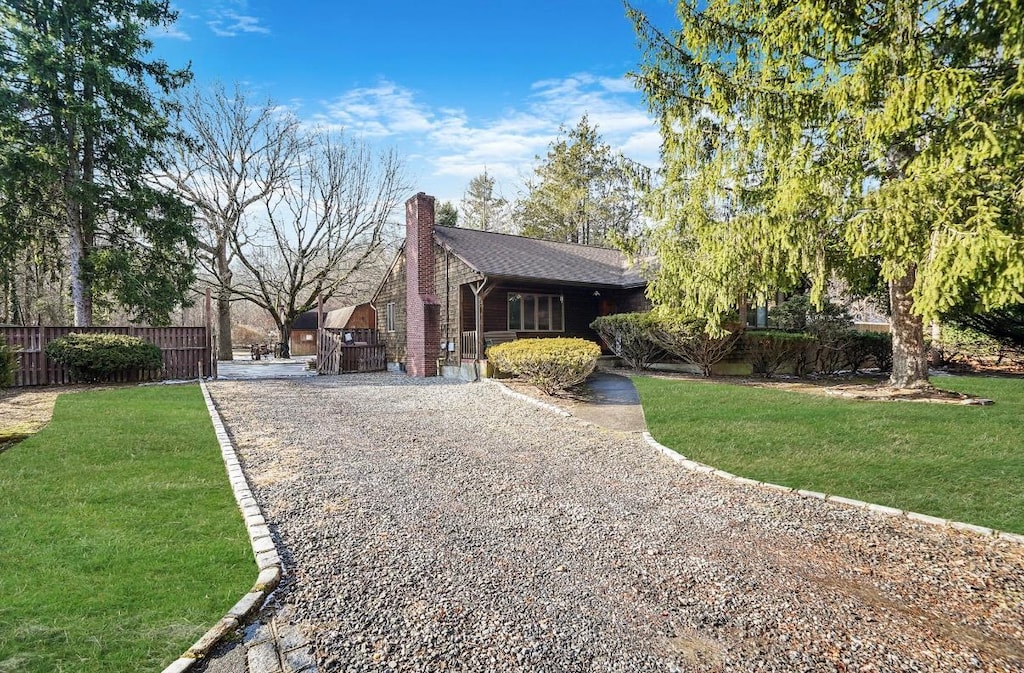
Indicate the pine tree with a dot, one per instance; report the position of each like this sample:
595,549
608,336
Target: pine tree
481,208
80,127
802,138
447,215
581,192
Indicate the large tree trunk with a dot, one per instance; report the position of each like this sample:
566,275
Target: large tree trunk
224,345
81,300
285,332
909,359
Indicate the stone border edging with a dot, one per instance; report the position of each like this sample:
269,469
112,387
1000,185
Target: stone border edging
268,561
526,398
694,466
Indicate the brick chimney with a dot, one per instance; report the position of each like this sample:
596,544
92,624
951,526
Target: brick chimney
422,311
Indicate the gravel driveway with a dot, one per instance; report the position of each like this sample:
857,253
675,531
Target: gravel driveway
442,526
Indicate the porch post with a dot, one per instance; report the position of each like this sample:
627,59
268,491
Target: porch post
479,294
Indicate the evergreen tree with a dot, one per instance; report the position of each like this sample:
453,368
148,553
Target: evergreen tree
581,192
79,129
805,137
447,215
481,208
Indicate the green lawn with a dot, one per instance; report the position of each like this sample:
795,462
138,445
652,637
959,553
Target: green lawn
121,541
960,463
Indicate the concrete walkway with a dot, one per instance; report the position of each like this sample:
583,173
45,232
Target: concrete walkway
611,401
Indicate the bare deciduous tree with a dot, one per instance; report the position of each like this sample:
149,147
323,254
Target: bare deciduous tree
240,155
316,234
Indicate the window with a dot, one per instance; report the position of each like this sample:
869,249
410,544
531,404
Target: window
536,312
389,317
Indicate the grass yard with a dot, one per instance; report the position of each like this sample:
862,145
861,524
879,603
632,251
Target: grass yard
122,543
955,462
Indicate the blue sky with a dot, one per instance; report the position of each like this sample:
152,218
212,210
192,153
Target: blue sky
454,86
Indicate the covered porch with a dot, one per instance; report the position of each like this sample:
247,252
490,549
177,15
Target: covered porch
493,311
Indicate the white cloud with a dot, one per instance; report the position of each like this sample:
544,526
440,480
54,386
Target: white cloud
173,32
230,24
447,146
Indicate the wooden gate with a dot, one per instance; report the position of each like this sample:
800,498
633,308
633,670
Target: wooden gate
348,351
186,351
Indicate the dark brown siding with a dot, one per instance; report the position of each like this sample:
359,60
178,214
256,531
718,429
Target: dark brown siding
581,307
393,290
451,275
362,318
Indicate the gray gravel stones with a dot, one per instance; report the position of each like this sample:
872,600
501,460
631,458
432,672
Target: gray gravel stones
434,525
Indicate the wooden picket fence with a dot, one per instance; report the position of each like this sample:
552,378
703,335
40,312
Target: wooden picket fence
341,351
187,352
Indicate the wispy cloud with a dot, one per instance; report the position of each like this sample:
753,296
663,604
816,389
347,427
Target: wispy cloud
230,18
172,32
451,146
230,24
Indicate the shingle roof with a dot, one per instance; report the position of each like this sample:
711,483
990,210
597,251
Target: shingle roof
306,320
508,256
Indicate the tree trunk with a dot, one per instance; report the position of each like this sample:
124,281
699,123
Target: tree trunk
76,253
909,359
223,269
285,333
224,344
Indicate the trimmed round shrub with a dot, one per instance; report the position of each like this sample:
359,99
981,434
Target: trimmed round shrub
97,357
628,335
552,365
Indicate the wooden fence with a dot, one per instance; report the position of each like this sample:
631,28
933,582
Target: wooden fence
187,353
341,351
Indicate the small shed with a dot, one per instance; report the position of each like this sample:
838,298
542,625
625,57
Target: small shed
303,340
361,316
304,331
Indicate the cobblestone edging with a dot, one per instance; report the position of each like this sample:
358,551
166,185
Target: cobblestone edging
526,398
694,466
267,559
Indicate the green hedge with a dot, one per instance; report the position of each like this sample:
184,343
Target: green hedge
865,348
552,365
628,335
687,338
98,357
8,364
769,350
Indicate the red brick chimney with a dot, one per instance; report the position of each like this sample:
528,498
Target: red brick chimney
422,311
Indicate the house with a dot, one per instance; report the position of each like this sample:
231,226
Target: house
304,331
451,292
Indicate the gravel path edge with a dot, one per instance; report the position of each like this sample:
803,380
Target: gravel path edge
694,466
268,561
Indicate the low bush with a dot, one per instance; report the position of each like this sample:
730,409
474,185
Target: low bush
628,335
769,350
864,348
687,339
552,365
830,326
97,357
8,364
962,346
